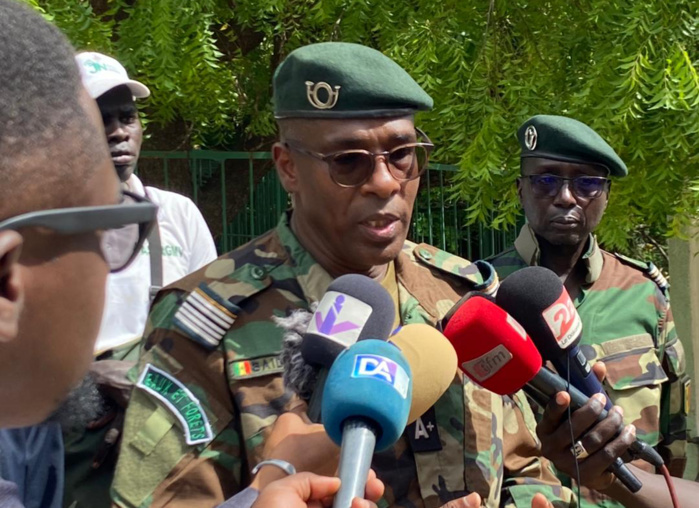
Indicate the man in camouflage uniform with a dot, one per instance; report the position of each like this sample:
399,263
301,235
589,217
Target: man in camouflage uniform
210,385
623,303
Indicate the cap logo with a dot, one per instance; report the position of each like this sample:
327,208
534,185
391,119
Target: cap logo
530,137
312,90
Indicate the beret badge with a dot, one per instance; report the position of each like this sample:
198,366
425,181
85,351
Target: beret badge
530,137
314,97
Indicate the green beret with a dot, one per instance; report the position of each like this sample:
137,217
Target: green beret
565,139
343,80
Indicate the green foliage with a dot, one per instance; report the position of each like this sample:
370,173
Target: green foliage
627,68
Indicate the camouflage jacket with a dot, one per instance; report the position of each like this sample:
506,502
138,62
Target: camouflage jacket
627,323
472,440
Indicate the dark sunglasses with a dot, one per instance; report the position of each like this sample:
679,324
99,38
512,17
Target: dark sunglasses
126,225
353,168
586,187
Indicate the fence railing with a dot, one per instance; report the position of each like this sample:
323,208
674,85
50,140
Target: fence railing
240,196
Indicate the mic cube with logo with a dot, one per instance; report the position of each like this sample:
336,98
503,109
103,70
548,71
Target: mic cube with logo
370,381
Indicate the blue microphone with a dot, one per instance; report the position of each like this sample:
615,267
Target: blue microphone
366,402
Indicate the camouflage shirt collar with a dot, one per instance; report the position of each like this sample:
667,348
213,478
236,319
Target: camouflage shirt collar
527,247
313,278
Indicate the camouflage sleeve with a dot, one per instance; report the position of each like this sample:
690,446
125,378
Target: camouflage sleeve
674,406
526,471
181,440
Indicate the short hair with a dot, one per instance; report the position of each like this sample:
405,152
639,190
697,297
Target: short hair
41,114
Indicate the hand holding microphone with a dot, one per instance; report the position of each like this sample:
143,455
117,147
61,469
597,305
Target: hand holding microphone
496,352
537,299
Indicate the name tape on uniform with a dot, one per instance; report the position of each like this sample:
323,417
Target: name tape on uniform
255,367
178,399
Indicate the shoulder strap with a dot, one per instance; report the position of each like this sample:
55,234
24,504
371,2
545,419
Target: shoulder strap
155,249
648,268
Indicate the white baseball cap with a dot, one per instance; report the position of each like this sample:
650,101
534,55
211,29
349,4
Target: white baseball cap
100,73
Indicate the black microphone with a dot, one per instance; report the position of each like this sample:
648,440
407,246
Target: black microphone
537,299
354,307
496,353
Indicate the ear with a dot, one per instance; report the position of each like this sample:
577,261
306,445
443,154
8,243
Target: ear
519,189
286,167
11,287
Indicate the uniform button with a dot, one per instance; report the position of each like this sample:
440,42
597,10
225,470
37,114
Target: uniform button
425,254
257,273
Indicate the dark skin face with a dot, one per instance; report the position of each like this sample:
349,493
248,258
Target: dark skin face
52,290
123,129
348,230
562,223
565,219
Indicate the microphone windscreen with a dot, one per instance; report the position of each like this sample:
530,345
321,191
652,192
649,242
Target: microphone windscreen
298,376
433,362
370,381
492,348
354,307
536,297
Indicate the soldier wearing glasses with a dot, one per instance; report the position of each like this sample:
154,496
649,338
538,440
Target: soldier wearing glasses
351,158
627,322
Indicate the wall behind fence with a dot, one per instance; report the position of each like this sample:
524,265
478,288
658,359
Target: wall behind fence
240,197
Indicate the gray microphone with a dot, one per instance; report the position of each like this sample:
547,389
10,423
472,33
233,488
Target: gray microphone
354,307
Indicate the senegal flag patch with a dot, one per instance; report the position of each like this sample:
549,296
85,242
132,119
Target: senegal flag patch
177,398
256,367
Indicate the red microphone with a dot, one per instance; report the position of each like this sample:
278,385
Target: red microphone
492,347
495,351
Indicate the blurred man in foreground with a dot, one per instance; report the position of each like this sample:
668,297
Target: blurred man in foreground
62,230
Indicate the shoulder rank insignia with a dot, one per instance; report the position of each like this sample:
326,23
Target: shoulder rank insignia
649,268
448,263
205,317
491,282
177,398
658,277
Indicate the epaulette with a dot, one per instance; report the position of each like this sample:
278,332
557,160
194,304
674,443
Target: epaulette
648,268
480,274
210,309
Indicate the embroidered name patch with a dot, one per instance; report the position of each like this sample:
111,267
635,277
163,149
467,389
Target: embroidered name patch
243,369
183,404
205,317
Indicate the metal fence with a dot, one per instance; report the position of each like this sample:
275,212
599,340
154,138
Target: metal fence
240,197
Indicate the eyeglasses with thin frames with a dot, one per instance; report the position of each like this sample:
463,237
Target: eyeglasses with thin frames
585,187
125,226
353,168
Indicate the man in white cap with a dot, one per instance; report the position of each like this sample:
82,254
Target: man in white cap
180,244
185,241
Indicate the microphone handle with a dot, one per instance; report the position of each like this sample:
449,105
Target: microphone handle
541,391
316,401
358,442
581,374
544,386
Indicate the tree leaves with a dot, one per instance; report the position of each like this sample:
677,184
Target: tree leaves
627,68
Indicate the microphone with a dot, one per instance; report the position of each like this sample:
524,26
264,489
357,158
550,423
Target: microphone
432,361
496,353
354,307
365,407
537,299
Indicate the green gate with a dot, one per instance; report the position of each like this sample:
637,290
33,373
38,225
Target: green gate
240,197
